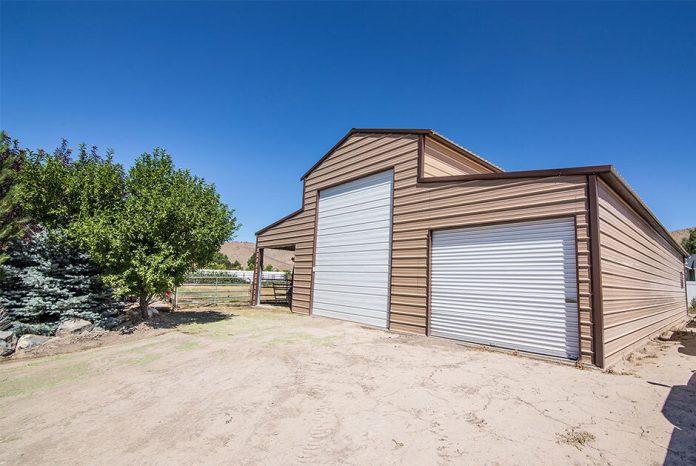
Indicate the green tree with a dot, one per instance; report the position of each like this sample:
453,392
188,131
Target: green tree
268,268
47,280
251,262
145,229
219,262
12,221
236,265
689,243
168,222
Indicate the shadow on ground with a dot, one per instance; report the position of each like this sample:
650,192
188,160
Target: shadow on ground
680,408
178,318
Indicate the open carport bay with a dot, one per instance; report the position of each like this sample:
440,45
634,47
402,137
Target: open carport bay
266,386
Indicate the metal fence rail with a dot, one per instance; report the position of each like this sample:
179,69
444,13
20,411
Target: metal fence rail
216,288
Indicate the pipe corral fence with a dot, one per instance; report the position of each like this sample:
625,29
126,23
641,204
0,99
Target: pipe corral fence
210,287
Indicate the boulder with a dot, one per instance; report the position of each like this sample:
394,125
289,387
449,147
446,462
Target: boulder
72,326
29,341
8,340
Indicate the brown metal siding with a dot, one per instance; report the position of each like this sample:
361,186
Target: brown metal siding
421,207
290,232
641,286
439,160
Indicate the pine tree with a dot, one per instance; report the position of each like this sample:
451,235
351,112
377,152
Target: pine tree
46,281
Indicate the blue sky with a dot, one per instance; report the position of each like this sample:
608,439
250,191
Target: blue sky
249,96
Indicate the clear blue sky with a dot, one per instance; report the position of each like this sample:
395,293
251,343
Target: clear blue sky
249,96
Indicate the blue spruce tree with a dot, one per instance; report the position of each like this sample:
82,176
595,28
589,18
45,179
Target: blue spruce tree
46,280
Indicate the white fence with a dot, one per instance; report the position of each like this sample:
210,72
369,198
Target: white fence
690,291
246,275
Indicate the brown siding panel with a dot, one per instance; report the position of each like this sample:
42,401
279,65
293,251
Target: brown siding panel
439,160
420,207
641,284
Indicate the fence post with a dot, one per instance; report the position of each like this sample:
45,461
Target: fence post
256,282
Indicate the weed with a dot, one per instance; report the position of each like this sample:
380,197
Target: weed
575,437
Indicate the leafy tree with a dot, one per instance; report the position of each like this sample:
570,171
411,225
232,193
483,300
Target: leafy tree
268,268
689,243
219,262
236,265
47,280
145,229
251,262
168,222
12,221
71,194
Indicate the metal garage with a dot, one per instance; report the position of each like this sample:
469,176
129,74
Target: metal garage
512,285
351,271
406,230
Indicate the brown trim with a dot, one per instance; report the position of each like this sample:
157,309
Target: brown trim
268,227
596,272
310,311
505,222
521,174
577,286
391,251
354,178
421,158
428,271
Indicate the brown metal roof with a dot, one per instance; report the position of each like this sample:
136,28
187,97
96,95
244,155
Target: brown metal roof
606,172
428,132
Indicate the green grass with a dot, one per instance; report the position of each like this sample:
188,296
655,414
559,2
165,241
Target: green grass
26,384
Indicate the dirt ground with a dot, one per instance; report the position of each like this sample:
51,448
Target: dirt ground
250,386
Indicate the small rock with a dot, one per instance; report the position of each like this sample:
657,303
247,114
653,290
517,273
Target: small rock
8,340
6,335
71,326
29,341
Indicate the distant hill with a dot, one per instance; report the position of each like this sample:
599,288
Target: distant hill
679,235
242,250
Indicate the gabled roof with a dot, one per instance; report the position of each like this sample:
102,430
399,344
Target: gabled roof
418,131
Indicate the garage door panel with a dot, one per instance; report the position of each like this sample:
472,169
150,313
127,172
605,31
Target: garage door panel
351,239
529,320
359,226
353,251
352,314
366,207
512,285
506,341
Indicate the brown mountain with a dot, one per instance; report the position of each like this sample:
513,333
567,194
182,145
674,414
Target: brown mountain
679,235
242,250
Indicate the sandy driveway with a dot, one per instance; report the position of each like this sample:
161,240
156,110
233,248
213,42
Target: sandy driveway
264,386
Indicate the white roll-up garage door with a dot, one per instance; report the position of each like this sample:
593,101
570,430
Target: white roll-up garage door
353,251
511,285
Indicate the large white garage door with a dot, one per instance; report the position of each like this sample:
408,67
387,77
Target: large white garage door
511,285
351,267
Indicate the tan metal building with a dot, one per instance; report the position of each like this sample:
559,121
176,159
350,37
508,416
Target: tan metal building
404,229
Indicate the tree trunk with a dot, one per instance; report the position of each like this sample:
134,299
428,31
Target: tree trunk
144,301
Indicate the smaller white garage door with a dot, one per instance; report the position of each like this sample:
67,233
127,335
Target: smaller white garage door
511,285
353,251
